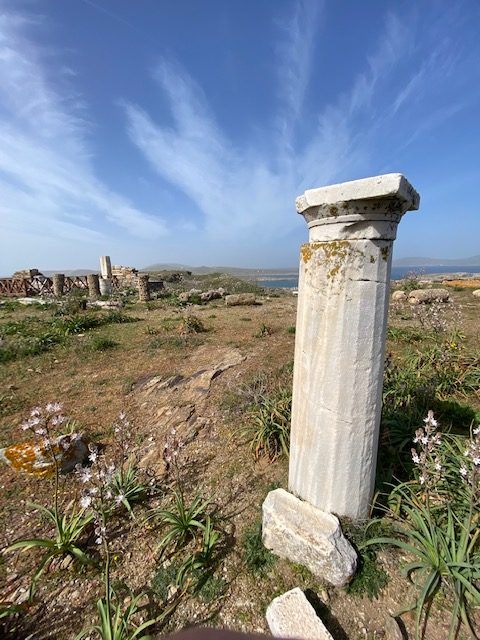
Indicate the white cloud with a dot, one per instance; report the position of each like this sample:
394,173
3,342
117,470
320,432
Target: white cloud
48,185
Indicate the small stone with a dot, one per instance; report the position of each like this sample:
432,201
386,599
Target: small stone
476,293
292,616
399,296
302,533
67,563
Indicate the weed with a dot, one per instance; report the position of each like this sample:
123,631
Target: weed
257,557
264,331
212,589
102,343
370,577
183,521
245,319
190,325
291,329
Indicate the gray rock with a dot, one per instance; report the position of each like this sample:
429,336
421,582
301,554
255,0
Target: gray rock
425,296
302,533
236,299
292,616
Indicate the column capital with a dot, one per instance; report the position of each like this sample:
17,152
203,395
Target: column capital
378,199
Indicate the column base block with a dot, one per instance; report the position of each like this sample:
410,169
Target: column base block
296,530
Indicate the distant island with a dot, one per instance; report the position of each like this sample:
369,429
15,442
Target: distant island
474,261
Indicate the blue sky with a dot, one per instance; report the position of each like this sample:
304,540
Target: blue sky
183,130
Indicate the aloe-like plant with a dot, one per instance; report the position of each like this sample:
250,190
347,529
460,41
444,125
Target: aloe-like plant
116,623
68,530
127,488
183,521
268,426
444,557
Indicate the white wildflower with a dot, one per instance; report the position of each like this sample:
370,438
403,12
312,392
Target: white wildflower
119,498
476,461
476,431
53,407
85,501
41,431
438,466
36,412
93,456
415,457
85,475
422,479
25,425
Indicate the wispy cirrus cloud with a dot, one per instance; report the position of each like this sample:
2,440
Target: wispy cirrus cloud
48,184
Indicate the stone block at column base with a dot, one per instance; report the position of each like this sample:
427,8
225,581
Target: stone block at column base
296,530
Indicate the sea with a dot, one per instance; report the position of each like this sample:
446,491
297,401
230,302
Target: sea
291,282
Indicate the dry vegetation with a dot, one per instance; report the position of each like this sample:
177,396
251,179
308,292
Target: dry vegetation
105,366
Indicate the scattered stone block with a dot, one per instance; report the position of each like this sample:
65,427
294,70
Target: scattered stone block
399,296
213,294
292,616
236,299
302,533
36,458
426,296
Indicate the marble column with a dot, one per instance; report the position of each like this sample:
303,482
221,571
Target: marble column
106,267
58,284
340,339
93,285
143,287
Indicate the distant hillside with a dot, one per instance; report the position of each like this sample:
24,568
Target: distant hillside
474,261
70,272
234,271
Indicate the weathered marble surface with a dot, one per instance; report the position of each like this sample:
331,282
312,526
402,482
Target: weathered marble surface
340,339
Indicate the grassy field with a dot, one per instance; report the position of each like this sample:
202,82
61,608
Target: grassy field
185,538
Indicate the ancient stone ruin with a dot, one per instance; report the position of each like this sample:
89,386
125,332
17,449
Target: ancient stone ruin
338,373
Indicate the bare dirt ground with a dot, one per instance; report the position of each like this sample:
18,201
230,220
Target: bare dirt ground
216,462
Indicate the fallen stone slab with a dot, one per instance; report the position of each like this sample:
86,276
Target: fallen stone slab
426,296
236,299
28,301
106,304
292,616
296,530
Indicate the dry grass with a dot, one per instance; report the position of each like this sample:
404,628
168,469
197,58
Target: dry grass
96,385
